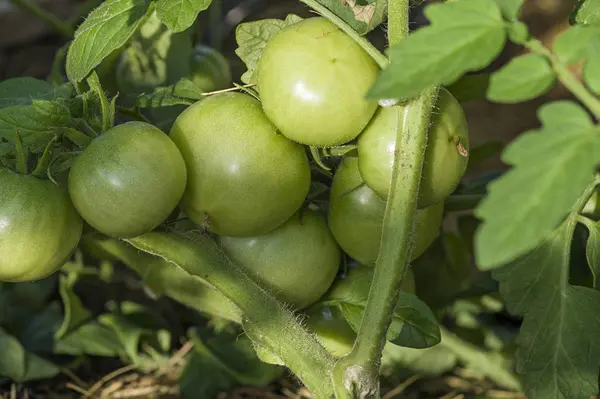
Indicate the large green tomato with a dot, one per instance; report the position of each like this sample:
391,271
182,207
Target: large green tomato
298,261
445,163
128,180
356,216
313,79
39,227
244,178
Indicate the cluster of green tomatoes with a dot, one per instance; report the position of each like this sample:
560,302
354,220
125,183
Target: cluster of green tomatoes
238,168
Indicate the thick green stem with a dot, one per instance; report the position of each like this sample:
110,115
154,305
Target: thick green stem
357,374
62,27
567,78
364,43
272,323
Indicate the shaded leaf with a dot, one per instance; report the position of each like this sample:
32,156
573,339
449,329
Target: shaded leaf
252,37
413,323
184,92
230,360
592,250
153,58
362,15
559,341
470,87
75,313
91,339
22,91
463,36
178,15
36,123
522,79
19,365
558,162
106,29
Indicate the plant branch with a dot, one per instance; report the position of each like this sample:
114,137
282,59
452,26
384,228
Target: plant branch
340,23
271,322
357,374
62,27
567,78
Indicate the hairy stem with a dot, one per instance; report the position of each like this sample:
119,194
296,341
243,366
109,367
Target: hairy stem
61,27
273,325
361,41
567,78
357,374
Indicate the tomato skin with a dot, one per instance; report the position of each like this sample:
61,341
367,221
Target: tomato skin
313,80
128,180
244,178
444,165
39,227
356,215
298,261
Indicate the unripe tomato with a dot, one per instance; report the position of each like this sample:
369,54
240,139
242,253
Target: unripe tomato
313,79
244,178
328,322
128,180
356,216
445,163
209,69
298,261
39,227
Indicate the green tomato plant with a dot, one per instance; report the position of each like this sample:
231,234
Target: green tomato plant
305,207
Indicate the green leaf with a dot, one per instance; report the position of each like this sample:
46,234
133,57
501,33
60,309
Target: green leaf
591,69
592,250
556,162
178,15
75,313
92,339
36,123
230,360
522,79
574,44
470,87
586,12
153,58
21,91
37,335
106,29
413,323
559,341
252,37
19,365
184,92
443,357
510,8
362,15
463,36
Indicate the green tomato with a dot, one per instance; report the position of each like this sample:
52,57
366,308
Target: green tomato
328,322
244,178
39,227
210,70
128,180
298,261
445,163
313,79
356,216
